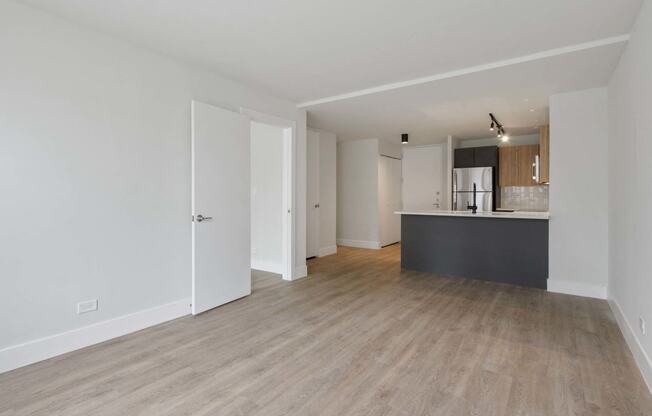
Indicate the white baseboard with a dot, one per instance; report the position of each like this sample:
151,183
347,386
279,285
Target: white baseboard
41,349
640,356
375,245
299,272
267,266
327,251
576,288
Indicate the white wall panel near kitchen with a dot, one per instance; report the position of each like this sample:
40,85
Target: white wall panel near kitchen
578,193
630,199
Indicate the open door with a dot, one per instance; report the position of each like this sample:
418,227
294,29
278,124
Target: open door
220,207
389,200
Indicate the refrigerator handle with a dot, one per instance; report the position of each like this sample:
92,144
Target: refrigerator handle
454,187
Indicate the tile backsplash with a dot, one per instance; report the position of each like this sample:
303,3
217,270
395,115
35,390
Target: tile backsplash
524,198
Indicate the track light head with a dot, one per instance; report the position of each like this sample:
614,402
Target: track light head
404,138
492,126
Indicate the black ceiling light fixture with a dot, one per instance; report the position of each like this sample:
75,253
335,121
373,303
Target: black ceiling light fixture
500,131
404,138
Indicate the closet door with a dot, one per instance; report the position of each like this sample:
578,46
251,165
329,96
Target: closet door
423,178
312,193
389,200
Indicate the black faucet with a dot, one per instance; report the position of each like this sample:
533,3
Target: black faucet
474,207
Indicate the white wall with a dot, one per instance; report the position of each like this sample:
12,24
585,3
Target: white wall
95,173
267,197
327,193
630,196
357,193
390,148
578,193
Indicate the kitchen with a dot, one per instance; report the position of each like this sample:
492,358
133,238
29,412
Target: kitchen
498,214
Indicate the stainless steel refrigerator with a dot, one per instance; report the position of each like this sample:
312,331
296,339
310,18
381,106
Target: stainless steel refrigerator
463,180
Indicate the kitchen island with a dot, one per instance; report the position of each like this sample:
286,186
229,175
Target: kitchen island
505,247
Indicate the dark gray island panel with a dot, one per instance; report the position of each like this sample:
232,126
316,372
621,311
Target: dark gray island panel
513,251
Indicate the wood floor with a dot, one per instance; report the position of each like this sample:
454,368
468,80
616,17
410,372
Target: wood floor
358,337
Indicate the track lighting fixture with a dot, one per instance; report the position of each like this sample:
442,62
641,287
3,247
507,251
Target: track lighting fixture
500,131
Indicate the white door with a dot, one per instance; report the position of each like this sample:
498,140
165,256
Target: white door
312,193
220,207
389,199
423,172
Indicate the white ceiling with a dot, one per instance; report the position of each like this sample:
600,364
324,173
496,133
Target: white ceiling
305,50
517,95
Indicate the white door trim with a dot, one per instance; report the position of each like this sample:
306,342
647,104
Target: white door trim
289,184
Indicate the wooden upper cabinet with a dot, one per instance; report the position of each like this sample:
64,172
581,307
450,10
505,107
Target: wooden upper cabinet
526,159
508,166
516,165
544,154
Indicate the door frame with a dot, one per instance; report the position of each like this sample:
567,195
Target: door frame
289,184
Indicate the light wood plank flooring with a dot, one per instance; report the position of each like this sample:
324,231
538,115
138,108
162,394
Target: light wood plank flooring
358,337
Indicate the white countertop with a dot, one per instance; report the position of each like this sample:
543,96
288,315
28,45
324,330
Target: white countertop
529,215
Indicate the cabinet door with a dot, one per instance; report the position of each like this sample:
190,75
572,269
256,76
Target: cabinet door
464,158
544,154
508,166
526,159
485,156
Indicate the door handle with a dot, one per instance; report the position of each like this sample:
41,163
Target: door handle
201,218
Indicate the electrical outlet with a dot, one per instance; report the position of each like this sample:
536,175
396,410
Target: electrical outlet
87,306
641,324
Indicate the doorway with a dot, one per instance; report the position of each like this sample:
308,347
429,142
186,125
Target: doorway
272,187
389,199
267,197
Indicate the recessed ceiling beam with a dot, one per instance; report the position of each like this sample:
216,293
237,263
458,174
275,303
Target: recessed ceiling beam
470,70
